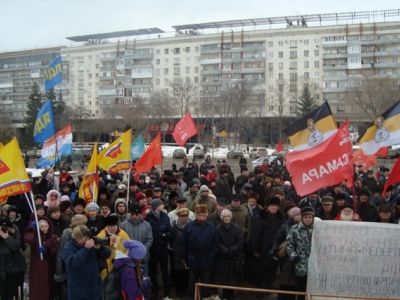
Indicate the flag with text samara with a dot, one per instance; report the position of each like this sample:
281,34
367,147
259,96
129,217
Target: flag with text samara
325,165
384,132
89,185
151,157
13,177
184,130
117,156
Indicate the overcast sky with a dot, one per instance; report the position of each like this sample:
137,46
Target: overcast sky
28,24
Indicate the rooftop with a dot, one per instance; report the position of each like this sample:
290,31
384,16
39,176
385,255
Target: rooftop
100,36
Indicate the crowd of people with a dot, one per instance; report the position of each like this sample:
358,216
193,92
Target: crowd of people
188,224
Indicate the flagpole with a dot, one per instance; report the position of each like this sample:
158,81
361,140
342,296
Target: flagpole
29,202
129,181
37,229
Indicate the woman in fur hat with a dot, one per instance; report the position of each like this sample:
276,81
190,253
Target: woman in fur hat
116,237
52,198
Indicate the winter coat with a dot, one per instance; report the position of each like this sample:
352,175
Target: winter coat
223,188
41,287
281,236
49,202
299,247
128,279
161,228
208,201
263,232
368,212
118,246
178,246
11,259
200,244
95,225
241,217
140,231
59,226
174,217
190,198
82,269
231,241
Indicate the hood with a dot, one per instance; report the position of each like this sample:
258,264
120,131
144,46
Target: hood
118,201
48,203
118,263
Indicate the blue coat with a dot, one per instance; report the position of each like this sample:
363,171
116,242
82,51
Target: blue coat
82,271
201,244
161,227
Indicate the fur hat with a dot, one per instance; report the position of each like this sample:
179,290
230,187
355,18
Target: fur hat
273,201
136,250
204,188
64,205
225,212
294,211
201,209
80,231
327,199
78,219
111,220
156,203
79,201
307,210
182,212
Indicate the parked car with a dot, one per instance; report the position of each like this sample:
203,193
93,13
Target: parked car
260,160
234,153
198,152
258,152
178,154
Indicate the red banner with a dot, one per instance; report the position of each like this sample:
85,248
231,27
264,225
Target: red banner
366,161
322,166
151,157
184,130
394,176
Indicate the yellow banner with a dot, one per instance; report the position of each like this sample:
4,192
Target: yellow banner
89,185
13,177
117,156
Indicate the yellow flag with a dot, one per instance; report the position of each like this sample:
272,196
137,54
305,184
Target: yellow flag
13,177
89,185
117,156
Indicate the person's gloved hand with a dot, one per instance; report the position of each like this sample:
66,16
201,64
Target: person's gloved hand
42,249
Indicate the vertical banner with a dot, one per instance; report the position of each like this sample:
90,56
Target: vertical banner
44,125
53,74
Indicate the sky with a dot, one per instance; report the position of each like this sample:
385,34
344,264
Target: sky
27,24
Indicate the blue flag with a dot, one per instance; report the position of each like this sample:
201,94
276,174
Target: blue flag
44,125
53,74
137,147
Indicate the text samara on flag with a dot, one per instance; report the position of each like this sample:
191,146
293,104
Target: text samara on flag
313,129
13,177
89,185
322,166
151,157
184,130
44,125
53,74
117,156
384,132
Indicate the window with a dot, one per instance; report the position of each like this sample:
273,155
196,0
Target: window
293,54
196,79
280,43
306,75
305,42
157,81
196,69
293,65
293,43
187,50
292,109
166,51
188,59
177,50
157,61
293,76
158,51
306,53
340,108
316,52
306,64
280,65
165,71
280,76
280,54
177,60
271,54
187,70
166,81
157,71
196,49
270,43
293,87
177,71
270,66
316,64
280,87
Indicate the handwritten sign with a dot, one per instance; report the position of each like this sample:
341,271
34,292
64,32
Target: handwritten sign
355,259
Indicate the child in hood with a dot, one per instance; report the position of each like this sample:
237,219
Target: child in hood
130,270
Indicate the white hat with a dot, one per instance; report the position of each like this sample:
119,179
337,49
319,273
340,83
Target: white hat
122,187
287,183
204,188
65,198
120,255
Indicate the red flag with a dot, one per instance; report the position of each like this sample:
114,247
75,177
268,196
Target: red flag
184,130
279,146
322,166
394,176
151,157
382,152
366,161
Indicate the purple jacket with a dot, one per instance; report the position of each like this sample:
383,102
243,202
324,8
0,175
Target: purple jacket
129,284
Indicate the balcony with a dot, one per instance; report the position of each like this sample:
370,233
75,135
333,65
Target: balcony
334,44
210,50
334,55
106,92
381,41
387,65
335,67
108,57
139,55
335,90
334,78
211,72
210,61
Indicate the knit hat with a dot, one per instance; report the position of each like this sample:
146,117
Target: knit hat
111,220
134,209
364,192
201,209
92,206
182,212
327,199
139,196
136,250
78,219
307,210
156,203
65,198
204,188
225,212
273,201
120,255
79,201
294,212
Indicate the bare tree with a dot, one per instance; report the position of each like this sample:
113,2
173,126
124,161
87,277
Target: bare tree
183,93
374,94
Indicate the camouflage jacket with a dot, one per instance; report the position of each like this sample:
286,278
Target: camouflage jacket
299,247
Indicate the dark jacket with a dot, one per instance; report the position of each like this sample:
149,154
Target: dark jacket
11,259
178,247
368,212
281,236
82,269
201,244
95,225
161,228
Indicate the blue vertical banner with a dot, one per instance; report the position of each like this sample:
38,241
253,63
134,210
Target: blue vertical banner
44,125
53,74
137,147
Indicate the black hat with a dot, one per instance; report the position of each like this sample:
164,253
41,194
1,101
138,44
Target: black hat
236,197
307,210
173,194
79,201
364,192
111,220
340,196
385,208
248,186
173,181
273,201
158,189
38,196
5,222
135,209
222,201
12,208
180,199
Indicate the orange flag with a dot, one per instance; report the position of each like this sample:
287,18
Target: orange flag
151,157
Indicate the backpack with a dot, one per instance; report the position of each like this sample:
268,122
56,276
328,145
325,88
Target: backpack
112,284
